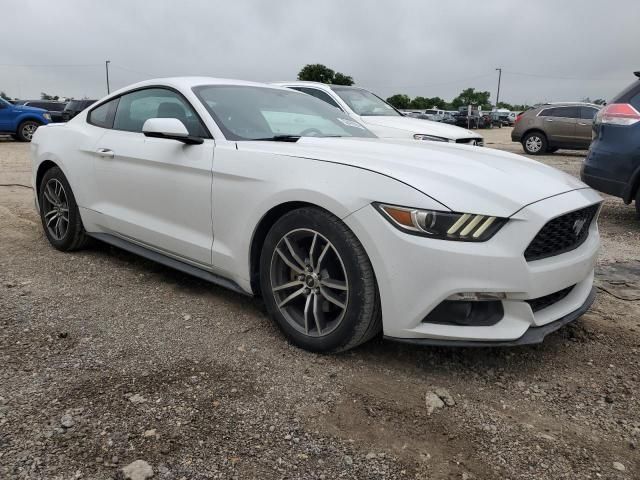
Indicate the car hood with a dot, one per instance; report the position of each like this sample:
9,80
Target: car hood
462,178
26,108
411,126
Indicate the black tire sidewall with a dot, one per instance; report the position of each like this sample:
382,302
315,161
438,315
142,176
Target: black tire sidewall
542,137
75,222
313,219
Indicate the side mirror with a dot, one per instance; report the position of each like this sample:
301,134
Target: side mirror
169,128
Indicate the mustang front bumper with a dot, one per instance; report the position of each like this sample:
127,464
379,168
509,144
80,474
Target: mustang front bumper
415,274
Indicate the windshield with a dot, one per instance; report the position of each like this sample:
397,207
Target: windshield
259,113
365,103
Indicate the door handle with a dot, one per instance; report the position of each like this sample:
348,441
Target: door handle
548,119
583,124
105,153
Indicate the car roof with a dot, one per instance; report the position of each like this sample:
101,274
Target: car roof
323,86
568,104
190,82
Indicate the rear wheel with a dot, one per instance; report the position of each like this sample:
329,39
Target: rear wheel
59,212
26,130
534,143
317,282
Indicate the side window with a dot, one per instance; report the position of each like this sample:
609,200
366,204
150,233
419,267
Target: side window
103,115
137,107
588,113
320,95
567,112
548,112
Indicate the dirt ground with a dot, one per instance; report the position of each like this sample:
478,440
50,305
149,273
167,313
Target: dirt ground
106,358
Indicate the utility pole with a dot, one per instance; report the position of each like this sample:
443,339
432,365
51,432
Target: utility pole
106,66
498,94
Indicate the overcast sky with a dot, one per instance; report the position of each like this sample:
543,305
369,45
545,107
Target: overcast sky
549,50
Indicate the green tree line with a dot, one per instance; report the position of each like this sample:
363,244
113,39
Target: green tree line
468,96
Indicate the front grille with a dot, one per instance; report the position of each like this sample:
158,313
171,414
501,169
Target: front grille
541,303
562,234
471,141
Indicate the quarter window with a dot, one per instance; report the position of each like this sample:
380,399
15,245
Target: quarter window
137,107
102,116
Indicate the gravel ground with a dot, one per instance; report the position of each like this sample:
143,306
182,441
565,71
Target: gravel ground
107,359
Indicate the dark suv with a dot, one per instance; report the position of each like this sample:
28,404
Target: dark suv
546,128
613,162
74,107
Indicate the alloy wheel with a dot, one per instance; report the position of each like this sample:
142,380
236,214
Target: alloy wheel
534,144
28,130
55,207
309,282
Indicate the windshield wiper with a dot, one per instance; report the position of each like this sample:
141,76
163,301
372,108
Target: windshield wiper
278,138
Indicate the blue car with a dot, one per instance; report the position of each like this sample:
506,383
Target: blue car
21,121
613,163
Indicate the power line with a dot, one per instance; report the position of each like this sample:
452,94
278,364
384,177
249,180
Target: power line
50,65
127,69
558,77
424,85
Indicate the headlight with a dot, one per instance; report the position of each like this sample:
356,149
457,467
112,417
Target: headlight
464,227
432,138
47,116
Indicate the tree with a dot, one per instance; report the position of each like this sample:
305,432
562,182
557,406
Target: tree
5,96
505,105
319,73
45,96
470,96
399,100
342,79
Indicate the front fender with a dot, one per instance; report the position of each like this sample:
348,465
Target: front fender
248,185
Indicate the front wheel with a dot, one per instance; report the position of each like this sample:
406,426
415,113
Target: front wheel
317,282
534,143
26,130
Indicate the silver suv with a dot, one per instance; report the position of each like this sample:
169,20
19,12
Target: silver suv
546,128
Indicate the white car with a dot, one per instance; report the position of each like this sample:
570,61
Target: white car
381,118
273,193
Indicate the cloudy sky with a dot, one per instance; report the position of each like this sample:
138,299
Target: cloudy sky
549,50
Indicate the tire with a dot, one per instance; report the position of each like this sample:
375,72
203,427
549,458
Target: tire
535,143
337,267
54,197
26,130
552,149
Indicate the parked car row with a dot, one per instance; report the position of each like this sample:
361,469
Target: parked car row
384,120
21,118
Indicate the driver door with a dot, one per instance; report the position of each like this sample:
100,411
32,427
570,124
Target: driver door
154,191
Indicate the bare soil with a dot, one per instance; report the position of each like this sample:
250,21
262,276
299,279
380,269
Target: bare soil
106,358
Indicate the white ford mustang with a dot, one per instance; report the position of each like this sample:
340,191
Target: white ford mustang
272,192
